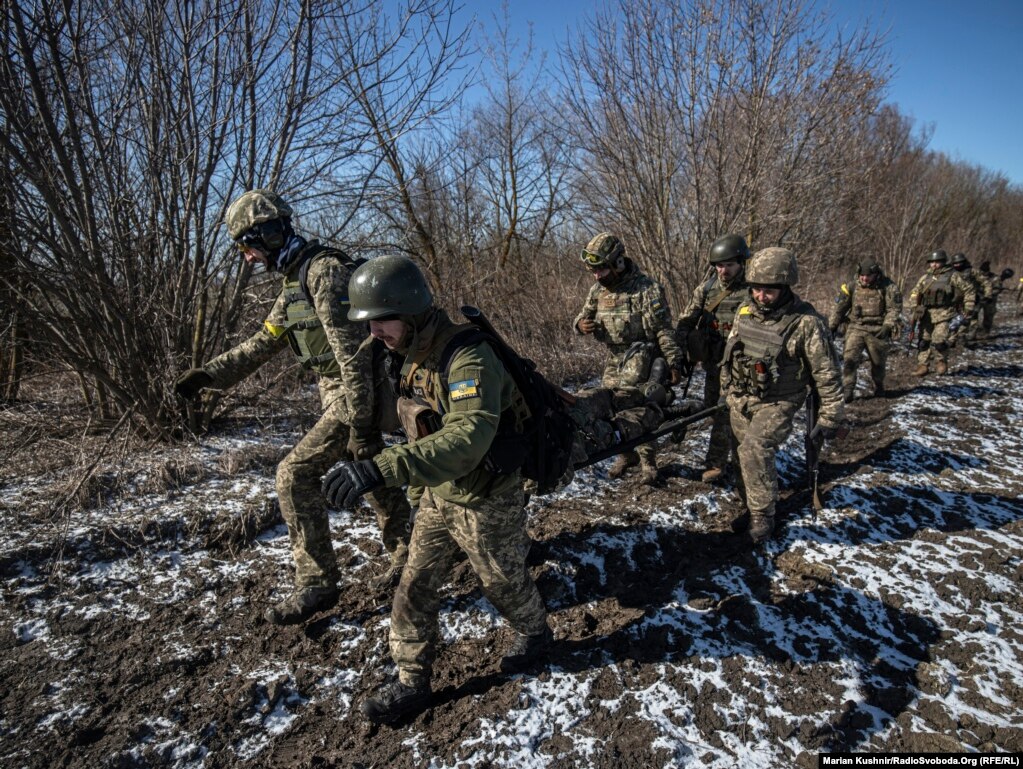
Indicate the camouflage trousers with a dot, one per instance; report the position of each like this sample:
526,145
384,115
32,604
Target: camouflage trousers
934,339
633,373
759,429
493,536
305,510
987,314
858,340
720,449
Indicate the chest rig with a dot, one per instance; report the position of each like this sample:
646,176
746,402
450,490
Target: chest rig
757,361
868,305
723,304
939,291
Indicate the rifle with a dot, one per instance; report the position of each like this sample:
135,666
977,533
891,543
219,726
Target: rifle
665,429
813,445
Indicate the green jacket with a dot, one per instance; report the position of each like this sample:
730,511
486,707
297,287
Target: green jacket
471,400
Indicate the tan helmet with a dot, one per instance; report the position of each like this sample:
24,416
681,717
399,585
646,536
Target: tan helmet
605,250
773,267
252,208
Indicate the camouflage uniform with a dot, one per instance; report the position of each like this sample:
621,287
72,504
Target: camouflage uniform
462,505
709,315
871,314
988,299
772,358
326,342
632,311
934,300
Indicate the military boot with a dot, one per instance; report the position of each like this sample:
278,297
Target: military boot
527,650
760,527
389,579
301,605
941,368
395,700
647,473
920,370
623,463
712,474
878,388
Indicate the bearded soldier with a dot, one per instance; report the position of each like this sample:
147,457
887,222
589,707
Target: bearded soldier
309,316
626,311
870,308
702,329
463,414
778,349
934,300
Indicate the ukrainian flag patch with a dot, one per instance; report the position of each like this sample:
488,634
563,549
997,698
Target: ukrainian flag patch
467,388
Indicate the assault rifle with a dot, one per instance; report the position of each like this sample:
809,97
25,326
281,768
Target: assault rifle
667,428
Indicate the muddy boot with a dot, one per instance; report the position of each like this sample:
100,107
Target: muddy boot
920,370
941,368
740,523
395,700
301,605
526,650
390,578
622,463
760,527
712,474
647,473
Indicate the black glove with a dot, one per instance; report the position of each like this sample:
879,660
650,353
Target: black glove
345,484
191,382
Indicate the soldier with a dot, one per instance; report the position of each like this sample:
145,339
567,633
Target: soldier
870,308
701,330
989,302
309,316
934,300
970,327
778,348
626,311
461,410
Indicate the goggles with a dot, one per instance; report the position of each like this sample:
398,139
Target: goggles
248,240
594,260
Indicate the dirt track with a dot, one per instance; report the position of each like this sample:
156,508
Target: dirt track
894,621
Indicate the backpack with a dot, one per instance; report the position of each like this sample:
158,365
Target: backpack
542,449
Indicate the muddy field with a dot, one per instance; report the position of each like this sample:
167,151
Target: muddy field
131,632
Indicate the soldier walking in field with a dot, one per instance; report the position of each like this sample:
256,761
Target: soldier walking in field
934,300
970,328
463,414
310,317
989,304
702,329
870,308
777,352
627,311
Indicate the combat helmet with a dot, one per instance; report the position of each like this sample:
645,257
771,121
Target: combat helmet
605,250
259,218
960,262
388,286
772,267
938,256
729,248
868,266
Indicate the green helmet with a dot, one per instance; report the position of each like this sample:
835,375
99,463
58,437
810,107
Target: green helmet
605,250
960,260
868,266
388,285
729,248
938,256
253,208
773,267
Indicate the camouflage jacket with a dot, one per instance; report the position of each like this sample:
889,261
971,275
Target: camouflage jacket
327,282
711,308
867,307
990,284
470,400
942,293
633,311
806,358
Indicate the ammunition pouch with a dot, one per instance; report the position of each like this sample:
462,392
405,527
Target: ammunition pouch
417,418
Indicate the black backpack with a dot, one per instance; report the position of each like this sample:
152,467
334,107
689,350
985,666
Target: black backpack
543,449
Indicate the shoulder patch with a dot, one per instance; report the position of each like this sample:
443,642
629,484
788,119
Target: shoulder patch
845,289
274,330
745,310
467,388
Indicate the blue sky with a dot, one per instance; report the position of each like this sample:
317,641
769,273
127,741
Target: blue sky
958,65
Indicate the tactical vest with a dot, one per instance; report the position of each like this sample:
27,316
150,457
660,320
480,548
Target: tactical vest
304,328
868,304
620,313
723,304
939,292
757,361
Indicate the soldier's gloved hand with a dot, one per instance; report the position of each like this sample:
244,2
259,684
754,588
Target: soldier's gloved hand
345,483
364,446
587,326
189,384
